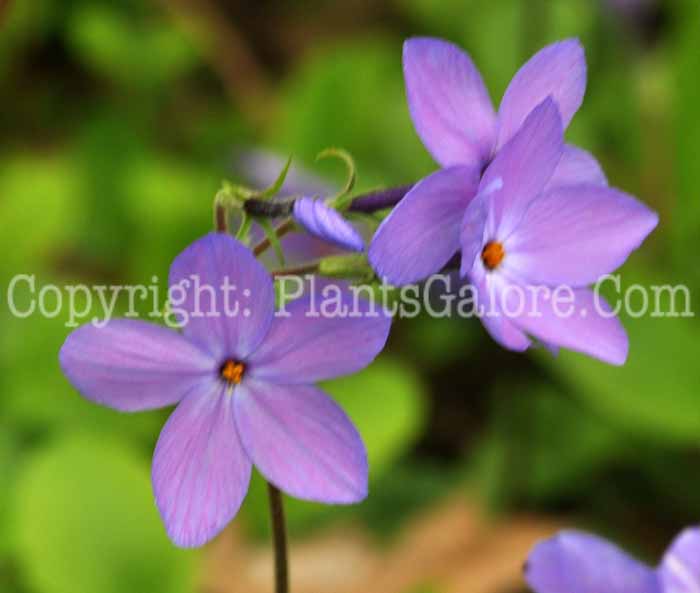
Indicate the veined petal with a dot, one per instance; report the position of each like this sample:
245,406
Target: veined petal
524,166
200,469
575,319
225,294
309,344
574,235
576,562
501,329
302,442
326,223
422,233
576,167
131,365
680,569
449,104
559,71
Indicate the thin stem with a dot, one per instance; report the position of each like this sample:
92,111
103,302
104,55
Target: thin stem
281,230
279,535
300,270
379,200
220,216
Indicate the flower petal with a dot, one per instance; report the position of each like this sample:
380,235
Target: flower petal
324,222
311,343
501,329
524,166
575,167
200,469
302,442
131,365
224,293
473,235
680,569
423,232
558,70
449,104
574,319
574,235
575,562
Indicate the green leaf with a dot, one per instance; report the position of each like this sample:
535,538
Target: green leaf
86,522
685,228
131,50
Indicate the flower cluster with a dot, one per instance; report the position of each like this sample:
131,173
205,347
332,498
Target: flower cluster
512,201
524,208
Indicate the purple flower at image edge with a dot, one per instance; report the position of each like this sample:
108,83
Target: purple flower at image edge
577,562
328,224
453,115
243,385
524,233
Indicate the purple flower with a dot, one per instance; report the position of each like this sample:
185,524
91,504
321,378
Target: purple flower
243,381
525,237
575,562
324,222
454,118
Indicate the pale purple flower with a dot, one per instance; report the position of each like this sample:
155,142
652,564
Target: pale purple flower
324,222
454,118
576,562
242,379
523,233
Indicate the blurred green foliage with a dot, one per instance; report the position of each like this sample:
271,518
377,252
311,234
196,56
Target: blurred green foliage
120,120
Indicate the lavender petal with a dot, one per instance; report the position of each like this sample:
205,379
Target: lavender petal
449,104
131,365
227,321
200,470
307,345
302,442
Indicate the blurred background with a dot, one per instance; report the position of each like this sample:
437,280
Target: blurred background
118,121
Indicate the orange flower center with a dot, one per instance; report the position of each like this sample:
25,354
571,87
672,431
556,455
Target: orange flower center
232,371
493,254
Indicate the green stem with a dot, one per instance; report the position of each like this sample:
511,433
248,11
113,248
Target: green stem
281,230
279,535
300,270
220,218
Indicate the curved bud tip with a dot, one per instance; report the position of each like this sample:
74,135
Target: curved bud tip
327,224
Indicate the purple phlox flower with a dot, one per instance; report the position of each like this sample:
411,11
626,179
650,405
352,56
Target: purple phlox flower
242,378
577,562
453,115
531,248
322,221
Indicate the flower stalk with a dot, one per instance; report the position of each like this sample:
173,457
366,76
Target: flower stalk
279,536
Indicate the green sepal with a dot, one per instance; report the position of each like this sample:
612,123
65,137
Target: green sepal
342,200
277,185
271,234
354,266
